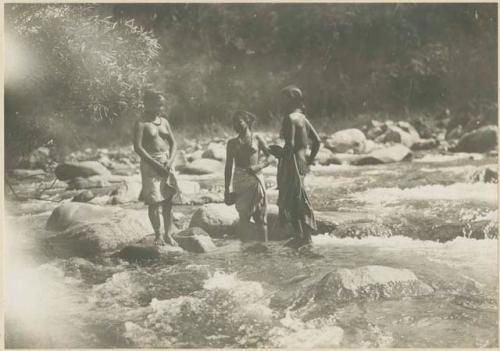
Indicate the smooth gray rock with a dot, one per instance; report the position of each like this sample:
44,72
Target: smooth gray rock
195,239
84,169
347,139
482,139
216,219
203,166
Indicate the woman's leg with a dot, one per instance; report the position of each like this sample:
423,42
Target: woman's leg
154,217
167,222
261,225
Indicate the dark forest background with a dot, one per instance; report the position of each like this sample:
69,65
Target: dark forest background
75,73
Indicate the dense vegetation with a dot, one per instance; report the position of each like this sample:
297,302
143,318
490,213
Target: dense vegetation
88,64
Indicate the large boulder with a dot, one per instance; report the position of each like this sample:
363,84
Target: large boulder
483,139
394,153
216,219
85,169
195,240
368,283
71,213
203,166
342,286
344,140
88,230
215,151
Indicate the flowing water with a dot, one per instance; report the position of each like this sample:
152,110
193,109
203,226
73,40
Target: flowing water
235,298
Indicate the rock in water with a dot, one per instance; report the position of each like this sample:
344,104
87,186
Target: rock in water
343,286
216,219
483,139
84,196
145,250
83,169
71,213
215,151
195,240
344,140
203,166
92,238
369,283
484,175
394,153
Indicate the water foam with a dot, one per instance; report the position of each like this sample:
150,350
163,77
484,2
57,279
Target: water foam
248,291
482,192
404,242
294,333
429,158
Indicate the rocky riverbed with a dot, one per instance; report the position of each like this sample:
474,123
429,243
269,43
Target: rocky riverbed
406,255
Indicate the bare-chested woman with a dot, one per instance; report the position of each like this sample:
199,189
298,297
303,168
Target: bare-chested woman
155,144
248,185
294,164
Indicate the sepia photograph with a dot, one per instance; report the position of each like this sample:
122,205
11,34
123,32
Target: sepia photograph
250,175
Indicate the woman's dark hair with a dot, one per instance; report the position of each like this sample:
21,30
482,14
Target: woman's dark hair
294,94
248,117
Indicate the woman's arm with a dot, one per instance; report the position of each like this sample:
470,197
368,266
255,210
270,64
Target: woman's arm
228,170
138,134
172,144
315,140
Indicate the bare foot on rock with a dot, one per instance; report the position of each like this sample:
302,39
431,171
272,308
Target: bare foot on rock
159,242
171,241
